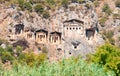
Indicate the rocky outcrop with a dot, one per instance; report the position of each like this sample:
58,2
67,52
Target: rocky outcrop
73,39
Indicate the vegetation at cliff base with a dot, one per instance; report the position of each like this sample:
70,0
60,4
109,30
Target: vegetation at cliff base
67,67
104,62
108,56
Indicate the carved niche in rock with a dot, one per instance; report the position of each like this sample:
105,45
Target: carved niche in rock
19,28
90,32
55,37
29,32
41,36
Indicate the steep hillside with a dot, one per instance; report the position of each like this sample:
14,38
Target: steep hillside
62,27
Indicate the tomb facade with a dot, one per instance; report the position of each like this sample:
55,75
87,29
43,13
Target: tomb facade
73,28
55,37
41,36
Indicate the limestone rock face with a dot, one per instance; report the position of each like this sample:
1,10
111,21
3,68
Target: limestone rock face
76,28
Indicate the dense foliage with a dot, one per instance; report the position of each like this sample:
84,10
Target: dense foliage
16,56
68,67
106,9
105,62
108,56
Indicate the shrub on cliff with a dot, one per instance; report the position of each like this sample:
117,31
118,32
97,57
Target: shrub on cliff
46,14
38,8
106,9
102,21
21,4
116,16
65,3
109,36
31,59
28,6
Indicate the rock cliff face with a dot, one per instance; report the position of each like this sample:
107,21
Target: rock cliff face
68,32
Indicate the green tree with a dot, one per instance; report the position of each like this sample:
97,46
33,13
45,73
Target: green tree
30,59
9,49
6,56
19,50
109,56
41,58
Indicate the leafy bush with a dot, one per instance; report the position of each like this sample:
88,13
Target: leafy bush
1,50
19,50
96,3
9,49
38,8
102,21
21,4
30,59
28,6
46,14
18,57
41,58
106,9
6,56
116,16
108,36
50,2
65,3
108,56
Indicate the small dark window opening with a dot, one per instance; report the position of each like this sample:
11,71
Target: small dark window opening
73,28
76,28
10,30
69,52
75,47
70,28
39,49
67,28
79,28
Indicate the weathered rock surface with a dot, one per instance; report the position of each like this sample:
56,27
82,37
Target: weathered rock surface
75,43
